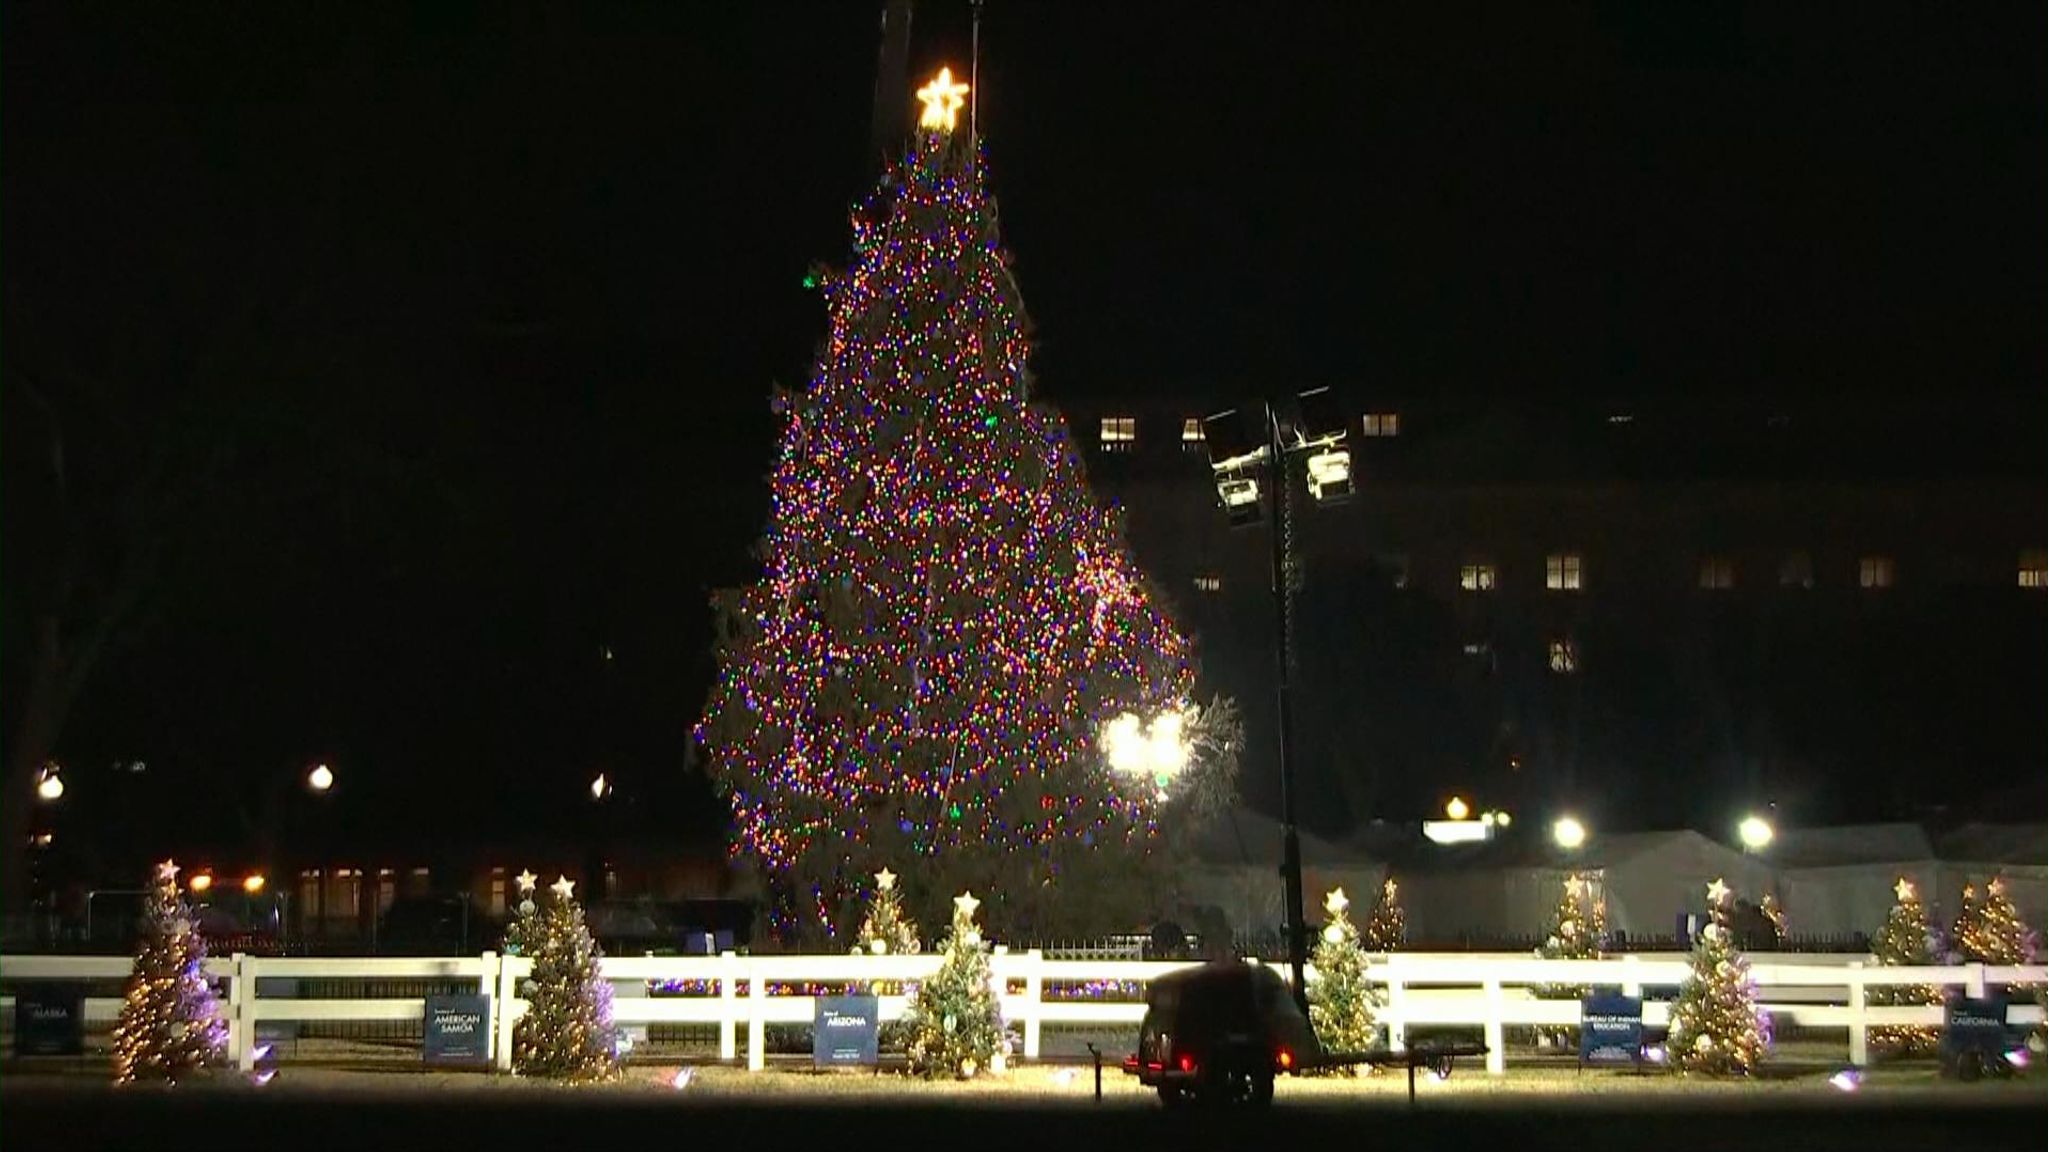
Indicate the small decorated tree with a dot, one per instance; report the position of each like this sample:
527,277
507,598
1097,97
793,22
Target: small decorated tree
1578,931
1715,1025
1341,1001
954,1026
1991,932
567,1032
1905,941
170,1024
1387,928
885,931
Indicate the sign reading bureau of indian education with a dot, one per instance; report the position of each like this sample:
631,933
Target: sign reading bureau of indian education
1610,1029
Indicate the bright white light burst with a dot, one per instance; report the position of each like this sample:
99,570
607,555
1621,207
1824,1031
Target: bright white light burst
1157,752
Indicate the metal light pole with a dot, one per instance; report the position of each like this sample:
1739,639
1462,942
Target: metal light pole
1283,637
1329,481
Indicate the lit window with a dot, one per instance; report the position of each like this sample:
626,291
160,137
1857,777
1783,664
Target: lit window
2034,568
1875,572
1717,573
1796,571
1191,437
1476,577
1119,433
1564,659
497,891
1564,572
1208,583
1383,424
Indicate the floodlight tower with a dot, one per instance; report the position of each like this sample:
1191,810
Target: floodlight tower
1249,450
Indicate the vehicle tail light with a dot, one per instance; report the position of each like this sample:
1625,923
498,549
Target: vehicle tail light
1187,1062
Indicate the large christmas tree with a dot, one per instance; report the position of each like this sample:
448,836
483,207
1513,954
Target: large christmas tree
948,621
1905,941
170,1025
1715,1025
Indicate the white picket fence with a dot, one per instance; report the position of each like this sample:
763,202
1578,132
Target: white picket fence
1492,992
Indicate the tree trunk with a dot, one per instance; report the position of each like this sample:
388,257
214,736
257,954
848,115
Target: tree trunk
35,735
59,673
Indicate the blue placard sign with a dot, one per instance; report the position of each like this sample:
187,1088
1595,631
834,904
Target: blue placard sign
458,1030
1974,1026
1610,1029
49,1020
844,1031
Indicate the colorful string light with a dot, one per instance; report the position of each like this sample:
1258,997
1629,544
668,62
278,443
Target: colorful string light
947,617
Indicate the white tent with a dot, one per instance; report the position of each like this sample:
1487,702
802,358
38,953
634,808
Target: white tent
1974,853
1237,870
1503,894
1841,881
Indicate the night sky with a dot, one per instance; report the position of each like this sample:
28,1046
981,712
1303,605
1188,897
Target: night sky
486,308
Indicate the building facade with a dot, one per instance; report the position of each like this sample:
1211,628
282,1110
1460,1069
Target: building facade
1656,615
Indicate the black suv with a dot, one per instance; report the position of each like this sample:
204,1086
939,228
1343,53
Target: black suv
1220,1033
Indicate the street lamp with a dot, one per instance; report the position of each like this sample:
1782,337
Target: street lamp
1756,833
321,778
1244,447
1457,809
50,782
600,787
1155,752
1568,833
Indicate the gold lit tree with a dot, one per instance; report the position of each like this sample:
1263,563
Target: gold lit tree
1340,1001
1387,928
954,1027
1906,941
567,1032
170,1024
1715,1025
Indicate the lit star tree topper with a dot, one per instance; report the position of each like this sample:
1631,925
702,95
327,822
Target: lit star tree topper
946,618
943,100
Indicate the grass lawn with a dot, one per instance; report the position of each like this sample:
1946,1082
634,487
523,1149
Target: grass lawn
792,1080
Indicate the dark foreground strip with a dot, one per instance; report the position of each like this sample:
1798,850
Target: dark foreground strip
156,1122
